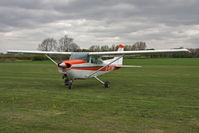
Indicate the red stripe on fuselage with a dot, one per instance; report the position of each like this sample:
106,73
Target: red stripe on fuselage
107,68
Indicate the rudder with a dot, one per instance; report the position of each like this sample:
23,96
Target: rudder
120,61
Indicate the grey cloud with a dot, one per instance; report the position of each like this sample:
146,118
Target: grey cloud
127,19
194,41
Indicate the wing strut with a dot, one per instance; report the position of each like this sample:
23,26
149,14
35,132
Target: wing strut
51,59
99,80
104,66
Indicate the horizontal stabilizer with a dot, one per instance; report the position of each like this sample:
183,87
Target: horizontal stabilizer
127,66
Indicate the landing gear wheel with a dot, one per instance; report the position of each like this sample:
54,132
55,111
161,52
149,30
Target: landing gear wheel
66,82
107,84
69,84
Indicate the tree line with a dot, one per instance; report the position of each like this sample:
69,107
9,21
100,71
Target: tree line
66,43
194,52
113,47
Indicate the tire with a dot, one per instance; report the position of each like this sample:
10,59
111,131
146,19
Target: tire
66,82
69,85
107,84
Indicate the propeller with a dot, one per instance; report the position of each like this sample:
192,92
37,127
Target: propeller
64,66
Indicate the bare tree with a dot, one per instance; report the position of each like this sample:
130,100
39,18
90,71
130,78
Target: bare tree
104,48
113,47
94,48
67,44
139,46
128,47
48,44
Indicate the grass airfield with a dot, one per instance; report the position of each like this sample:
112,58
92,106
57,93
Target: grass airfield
161,97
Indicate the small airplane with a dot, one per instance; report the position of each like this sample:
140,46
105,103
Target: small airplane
83,65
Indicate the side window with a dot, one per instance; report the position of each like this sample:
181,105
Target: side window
96,60
86,58
93,60
99,61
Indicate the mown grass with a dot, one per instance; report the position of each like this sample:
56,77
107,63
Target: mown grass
163,96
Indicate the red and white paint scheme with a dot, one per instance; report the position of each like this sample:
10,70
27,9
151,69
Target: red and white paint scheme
83,65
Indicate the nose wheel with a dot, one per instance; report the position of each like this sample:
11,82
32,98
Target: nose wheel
67,82
70,84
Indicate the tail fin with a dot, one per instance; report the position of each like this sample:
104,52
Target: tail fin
120,48
120,61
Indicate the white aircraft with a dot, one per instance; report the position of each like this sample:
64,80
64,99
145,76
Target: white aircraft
83,65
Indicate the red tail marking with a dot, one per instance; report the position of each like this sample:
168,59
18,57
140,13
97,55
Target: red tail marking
120,46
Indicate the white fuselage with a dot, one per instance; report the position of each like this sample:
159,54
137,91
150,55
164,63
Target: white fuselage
85,70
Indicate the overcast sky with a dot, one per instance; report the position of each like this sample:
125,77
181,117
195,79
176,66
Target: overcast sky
162,24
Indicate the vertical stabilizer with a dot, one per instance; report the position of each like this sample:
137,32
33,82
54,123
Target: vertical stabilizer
120,61
120,48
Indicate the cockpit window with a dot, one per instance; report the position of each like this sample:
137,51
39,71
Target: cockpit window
96,60
82,56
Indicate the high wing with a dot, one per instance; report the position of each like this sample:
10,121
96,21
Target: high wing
110,53
39,52
140,52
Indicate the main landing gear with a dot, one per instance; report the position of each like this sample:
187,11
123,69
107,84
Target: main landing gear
68,82
106,84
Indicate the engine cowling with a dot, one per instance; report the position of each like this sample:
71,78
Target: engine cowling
64,65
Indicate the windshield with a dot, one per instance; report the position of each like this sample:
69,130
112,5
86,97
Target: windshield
82,56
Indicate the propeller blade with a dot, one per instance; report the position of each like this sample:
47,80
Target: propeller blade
63,65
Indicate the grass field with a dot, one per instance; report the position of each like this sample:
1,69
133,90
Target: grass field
163,96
